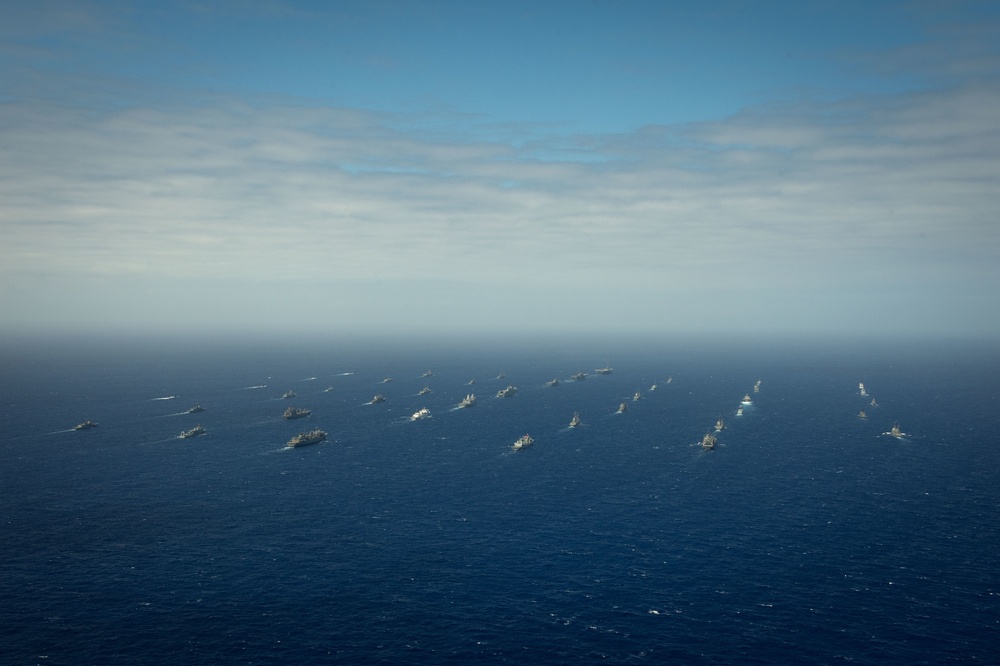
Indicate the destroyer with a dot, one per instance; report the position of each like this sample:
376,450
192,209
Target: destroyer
378,398
427,374
720,425
708,441
622,408
522,442
195,409
604,371
575,421
288,395
637,396
896,432
507,392
861,388
746,400
296,413
86,425
424,391
306,438
554,382
468,401
193,432
423,413
739,411
862,415
580,376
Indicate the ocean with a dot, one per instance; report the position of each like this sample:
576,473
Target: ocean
806,535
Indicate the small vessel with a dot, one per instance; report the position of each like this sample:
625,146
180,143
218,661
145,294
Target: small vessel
622,408
424,391
861,388
193,432
579,376
739,411
575,421
522,442
554,382
422,413
862,415
637,396
195,409
756,387
86,425
896,432
507,392
288,394
296,413
708,441
746,400
328,389
306,438
427,374
604,371
387,380
720,425
378,398
468,401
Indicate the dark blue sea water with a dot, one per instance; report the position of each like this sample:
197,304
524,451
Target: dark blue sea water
805,536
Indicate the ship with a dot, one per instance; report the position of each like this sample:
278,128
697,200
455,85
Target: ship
622,408
86,425
306,438
424,391
739,411
720,425
756,387
422,413
554,382
873,403
604,370
896,432
195,409
575,421
861,388
862,415
637,396
522,442
746,400
507,392
378,398
193,432
708,441
296,413
579,376
288,394
468,401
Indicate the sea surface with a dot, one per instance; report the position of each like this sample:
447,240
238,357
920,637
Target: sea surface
805,536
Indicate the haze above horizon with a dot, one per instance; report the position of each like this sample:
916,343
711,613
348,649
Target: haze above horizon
788,168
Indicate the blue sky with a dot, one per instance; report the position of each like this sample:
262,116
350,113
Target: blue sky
745,167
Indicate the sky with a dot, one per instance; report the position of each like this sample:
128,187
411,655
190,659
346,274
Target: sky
605,166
